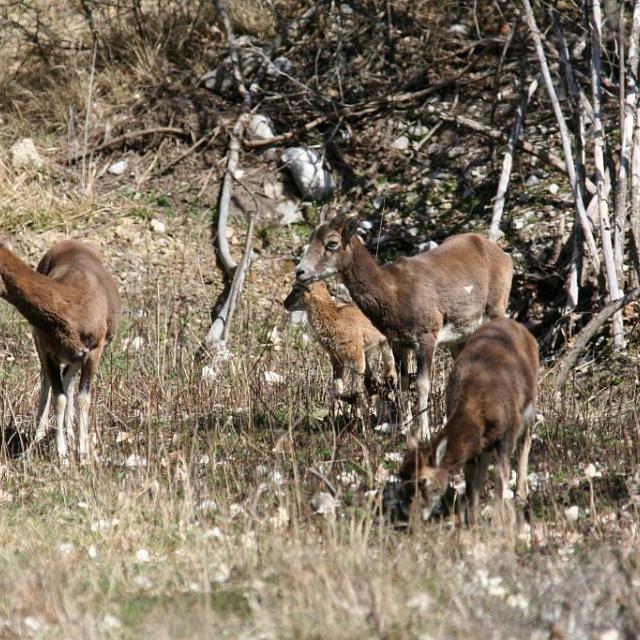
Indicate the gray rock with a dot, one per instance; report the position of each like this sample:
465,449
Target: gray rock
260,128
118,168
401,143
281,65
305,165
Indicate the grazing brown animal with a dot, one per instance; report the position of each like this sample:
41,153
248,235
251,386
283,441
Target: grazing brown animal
74,308
491,397
439,296
344,332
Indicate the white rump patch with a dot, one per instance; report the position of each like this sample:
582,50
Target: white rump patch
468,289
528,414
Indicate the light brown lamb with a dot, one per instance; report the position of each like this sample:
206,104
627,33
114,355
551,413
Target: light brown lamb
74,307
439,296
344,332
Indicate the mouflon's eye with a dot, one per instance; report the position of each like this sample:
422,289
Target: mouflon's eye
332,245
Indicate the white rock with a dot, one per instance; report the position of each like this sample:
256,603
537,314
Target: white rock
385,427
66,548
118,168
460,29
33,624
260,128
610,634
324,503
590,471
305,165
289,212
221,573
104,525
272,377
134,461
572,513
111,622
143,555
347,478
298,317
142,582
92,552
367,225
553,188
208,506
213,534
208,373
393,456
157,226
401,143
346,10
24,154
420,602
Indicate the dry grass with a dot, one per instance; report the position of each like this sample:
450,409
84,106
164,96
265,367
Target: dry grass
197,518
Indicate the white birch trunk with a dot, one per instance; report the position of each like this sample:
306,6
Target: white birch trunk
598,157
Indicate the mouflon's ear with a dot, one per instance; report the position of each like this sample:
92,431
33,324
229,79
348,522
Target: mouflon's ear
440,451
350,227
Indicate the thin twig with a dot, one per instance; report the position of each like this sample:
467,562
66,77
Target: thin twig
207,137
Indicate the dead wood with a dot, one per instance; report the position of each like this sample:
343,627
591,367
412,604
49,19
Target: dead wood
568,361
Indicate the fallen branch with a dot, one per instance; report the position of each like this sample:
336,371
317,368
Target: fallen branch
224,253
257,144
207,137
219,331
589,331
125,137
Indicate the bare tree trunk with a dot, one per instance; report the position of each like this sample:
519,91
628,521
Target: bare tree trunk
598,156
628,110
564,134
521,112
579,99
635,196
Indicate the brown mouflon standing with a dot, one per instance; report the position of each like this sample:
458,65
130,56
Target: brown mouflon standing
74,307
344,332
491,397
439,296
